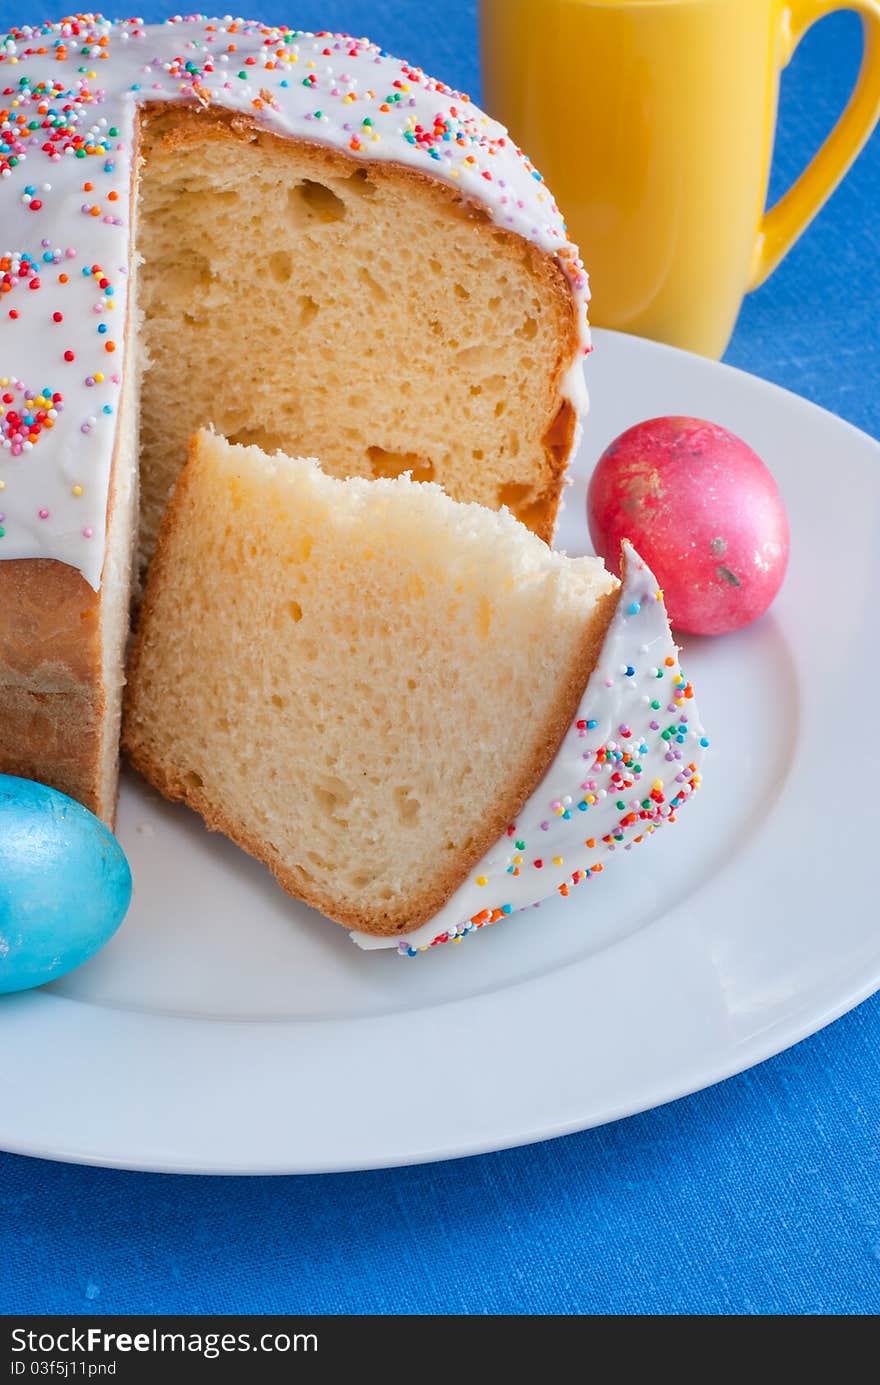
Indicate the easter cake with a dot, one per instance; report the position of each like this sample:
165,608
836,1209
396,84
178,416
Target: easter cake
416,739
295,237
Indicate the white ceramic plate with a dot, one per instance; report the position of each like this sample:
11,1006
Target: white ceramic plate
227,1029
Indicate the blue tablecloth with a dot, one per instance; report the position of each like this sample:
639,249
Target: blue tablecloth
759,1196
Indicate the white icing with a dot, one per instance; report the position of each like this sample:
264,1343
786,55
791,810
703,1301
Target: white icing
580,799
573,387
53,491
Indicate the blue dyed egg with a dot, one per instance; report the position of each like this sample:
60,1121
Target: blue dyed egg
65,884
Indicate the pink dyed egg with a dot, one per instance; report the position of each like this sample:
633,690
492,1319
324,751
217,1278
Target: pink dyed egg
702,510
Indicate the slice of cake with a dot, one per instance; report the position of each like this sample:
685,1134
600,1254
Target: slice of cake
360,682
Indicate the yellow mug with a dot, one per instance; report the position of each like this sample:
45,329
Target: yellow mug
653,121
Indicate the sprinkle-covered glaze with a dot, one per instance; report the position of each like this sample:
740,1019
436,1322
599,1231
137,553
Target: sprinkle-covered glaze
630,759
69,93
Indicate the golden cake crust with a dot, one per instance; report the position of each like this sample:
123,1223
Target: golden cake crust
52,700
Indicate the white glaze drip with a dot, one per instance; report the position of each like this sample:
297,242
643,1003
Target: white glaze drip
622,770
55,470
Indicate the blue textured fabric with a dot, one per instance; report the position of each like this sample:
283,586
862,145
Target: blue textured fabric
758,1196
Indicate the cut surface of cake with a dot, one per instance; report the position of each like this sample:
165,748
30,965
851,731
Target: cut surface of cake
295,237
366,313
359,682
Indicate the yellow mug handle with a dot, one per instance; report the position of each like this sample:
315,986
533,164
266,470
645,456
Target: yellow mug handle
782,225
